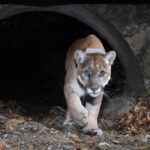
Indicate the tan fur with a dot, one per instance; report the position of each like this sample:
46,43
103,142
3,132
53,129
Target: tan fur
82,44
87,115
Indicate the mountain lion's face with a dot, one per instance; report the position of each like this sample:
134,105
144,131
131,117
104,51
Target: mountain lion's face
94,70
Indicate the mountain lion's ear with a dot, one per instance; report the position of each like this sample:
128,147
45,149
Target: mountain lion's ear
110,57
79,56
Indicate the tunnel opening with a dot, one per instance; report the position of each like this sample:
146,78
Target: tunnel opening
33,47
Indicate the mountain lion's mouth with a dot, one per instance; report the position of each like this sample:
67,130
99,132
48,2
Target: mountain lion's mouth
94,93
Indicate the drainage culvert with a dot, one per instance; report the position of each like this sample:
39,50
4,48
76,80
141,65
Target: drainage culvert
34,42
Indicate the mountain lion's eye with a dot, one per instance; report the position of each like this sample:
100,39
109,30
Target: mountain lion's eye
87,73
102,73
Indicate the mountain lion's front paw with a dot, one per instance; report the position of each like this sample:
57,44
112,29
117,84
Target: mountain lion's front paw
96,132
81,116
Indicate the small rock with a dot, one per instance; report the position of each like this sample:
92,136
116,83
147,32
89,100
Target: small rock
104,146
116,141
148,136
34,129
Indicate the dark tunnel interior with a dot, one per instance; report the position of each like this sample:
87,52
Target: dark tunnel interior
33,47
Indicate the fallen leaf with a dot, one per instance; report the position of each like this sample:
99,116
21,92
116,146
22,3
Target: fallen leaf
138,120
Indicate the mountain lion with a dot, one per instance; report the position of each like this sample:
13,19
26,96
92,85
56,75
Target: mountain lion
88,70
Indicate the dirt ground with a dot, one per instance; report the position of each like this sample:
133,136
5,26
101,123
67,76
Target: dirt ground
21,130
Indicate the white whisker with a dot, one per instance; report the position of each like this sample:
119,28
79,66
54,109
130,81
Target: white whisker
109,99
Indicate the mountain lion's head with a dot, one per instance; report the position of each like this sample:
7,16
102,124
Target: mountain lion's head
94,70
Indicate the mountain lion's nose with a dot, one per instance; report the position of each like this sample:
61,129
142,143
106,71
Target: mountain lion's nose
94,87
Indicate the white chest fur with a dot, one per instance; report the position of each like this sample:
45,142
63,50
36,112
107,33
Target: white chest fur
77,89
